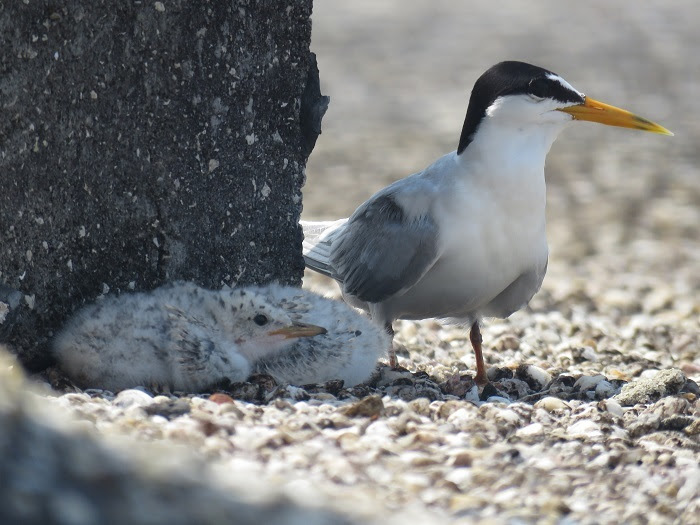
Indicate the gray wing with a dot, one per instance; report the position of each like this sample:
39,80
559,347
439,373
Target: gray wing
383,250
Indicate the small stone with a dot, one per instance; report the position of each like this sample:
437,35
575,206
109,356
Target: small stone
676,423
618,375
245,391
693,429
457,385
265,382
514,388
370,406
584,354
605,389
691,387
497,373
220,398
644,424
420,406
552,404
690,368
169,409
333,386
462,459
648,390
563,381
670,406
231,408
488,391
389,376
612,406
319,396
534,376
463,418
448,408
506,342
132,397
586,383
530,431
498,399
584,429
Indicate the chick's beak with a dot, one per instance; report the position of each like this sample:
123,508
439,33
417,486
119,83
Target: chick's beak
299,330
595,111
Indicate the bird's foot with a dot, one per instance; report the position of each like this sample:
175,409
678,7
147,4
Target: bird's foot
481,380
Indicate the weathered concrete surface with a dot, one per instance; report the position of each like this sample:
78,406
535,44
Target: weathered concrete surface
142,142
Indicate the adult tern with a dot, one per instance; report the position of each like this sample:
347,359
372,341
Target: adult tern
465,238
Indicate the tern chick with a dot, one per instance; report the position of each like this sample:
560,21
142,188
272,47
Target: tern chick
465,238
348,350
190,339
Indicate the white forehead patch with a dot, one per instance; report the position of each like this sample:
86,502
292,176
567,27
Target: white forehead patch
557,78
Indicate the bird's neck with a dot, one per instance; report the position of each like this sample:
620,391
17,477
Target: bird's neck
507,150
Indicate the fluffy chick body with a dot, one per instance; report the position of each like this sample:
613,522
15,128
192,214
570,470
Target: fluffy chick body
189,339
349,349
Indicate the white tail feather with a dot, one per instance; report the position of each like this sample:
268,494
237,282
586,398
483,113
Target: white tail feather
318,238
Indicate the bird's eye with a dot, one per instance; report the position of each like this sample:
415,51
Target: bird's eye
260,320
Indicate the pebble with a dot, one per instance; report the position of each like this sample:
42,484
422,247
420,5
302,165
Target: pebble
612,406
650,389
552,404
497,373
371,406
221,399
536,377
643,424
584,429
167,408
604,389
585,383
533,430
670,406
132,397
498,399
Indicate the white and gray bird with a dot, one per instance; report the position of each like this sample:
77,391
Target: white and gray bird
189,339
464,239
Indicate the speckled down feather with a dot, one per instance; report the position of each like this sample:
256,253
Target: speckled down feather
188,338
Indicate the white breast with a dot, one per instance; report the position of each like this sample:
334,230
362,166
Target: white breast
490,209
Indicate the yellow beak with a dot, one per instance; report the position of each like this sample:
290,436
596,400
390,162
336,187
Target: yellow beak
595,111
299,330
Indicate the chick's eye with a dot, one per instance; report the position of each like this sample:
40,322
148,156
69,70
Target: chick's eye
260,320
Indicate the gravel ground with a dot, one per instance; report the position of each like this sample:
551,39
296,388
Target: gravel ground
594,416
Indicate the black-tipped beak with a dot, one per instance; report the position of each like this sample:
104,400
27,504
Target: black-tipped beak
595,111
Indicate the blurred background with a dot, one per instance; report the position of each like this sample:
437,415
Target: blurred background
620,203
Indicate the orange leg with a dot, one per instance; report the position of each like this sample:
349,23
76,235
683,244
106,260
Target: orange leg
475,338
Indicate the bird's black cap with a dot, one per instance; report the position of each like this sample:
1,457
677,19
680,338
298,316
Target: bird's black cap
510,78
